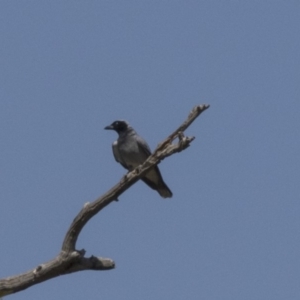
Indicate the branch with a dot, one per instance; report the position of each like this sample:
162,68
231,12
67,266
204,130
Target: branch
70,260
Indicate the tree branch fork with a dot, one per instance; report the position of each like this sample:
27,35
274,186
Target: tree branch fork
70,260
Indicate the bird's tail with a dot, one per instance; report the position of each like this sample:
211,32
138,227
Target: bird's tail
154,180
164,191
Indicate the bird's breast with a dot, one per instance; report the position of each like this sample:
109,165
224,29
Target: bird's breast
130,153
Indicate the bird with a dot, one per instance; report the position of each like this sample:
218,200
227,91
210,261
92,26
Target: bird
131,150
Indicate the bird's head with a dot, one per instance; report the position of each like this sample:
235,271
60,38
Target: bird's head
119,126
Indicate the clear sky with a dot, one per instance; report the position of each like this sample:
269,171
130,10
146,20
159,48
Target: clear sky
69,68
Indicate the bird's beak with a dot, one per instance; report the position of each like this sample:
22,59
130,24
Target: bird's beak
109,127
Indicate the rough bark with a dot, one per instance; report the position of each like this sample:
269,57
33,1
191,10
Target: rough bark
69,259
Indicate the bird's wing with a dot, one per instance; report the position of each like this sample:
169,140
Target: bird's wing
154,180
153,176
117,155
144,148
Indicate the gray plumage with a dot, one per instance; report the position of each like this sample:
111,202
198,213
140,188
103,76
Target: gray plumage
130,150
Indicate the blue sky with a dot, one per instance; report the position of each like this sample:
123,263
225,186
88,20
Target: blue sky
69,68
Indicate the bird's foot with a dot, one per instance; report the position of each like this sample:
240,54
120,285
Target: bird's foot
138,170
125,178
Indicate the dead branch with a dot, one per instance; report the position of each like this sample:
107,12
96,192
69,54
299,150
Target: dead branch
70,260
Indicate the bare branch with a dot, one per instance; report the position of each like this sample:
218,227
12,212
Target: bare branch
70,260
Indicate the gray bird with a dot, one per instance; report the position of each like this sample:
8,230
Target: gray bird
130,150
